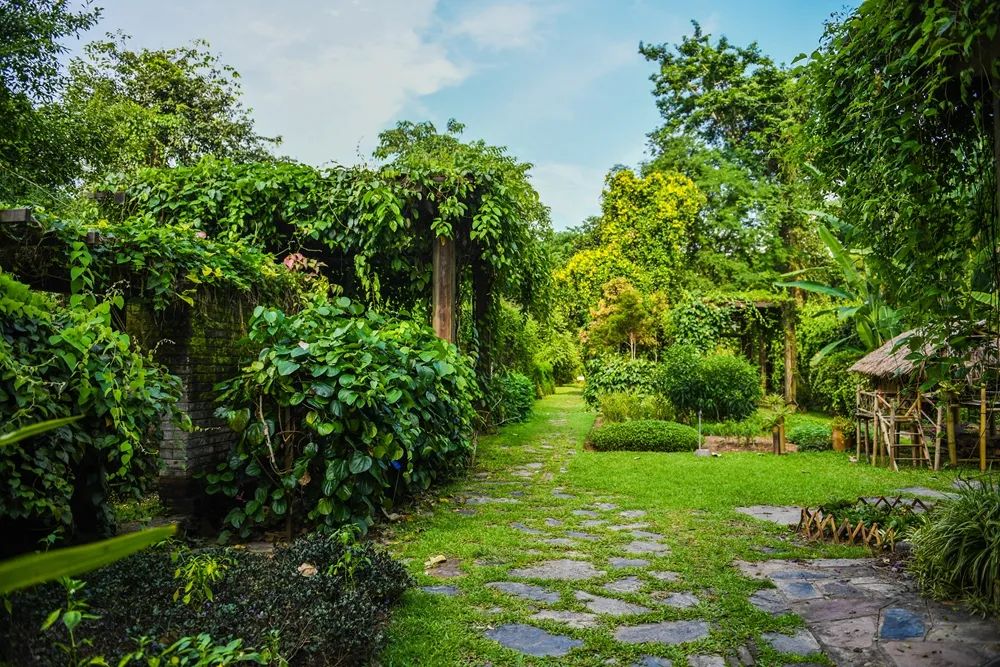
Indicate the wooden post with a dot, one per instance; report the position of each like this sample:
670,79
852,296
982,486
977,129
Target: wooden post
982,429
15,215
443,316
937,438
857,423
952,437
789,317
762,359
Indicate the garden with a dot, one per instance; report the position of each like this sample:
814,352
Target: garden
254,411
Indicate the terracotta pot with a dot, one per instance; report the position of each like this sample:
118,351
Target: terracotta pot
839,443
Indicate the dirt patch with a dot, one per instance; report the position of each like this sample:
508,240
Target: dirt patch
762,444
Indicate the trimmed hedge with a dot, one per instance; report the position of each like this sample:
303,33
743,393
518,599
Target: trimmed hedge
811,437
335,614
645,435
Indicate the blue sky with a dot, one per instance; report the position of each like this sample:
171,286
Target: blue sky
560,82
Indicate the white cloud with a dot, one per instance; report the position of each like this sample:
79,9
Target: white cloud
501,26
330,81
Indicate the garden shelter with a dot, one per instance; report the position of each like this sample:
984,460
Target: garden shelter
898,422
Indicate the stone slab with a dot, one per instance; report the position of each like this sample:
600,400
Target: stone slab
679,600
448,591
653,661
563,569
626,585
533,641
609,606
848,633
572,619
665,632
786,515
633,514
901,623
770,600
627,562
588,513
525,529
706,661
525,591
665,575
646,547
800,643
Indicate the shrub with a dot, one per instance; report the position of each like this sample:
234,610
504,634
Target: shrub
834,387
645,435
57,362
316,599
956,553
811,436
620,406
611,374
341,413
541,375
743,432
722,386
510,398
561,350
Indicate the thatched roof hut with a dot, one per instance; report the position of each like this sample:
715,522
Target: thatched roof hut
890,361
895,362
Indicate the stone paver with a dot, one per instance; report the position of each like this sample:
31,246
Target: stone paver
560,542
800,643
679,600
627,526
786,515
606,507
664,575
593,523
581,535
533,641
653,661
573,619
589,513
665,632
525,591
706,661
645,547
633,514
563,569
899,623
553,523
609,606
448,591
627,562
924,492
626,585
525,529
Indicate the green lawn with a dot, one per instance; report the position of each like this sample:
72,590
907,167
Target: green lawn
689,500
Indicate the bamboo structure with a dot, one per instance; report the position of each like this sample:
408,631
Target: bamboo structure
897,423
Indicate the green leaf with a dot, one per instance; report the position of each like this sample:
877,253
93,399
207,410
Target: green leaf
819,288
286,367
32,569
360,462
36,429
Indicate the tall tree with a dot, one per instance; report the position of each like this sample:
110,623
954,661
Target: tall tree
162,107
39,147
908,108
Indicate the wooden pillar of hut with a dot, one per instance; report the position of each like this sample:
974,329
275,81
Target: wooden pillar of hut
444,289
789,326
937,438
982,429
951,419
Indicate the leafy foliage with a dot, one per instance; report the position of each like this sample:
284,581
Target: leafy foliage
509,398
341,413
645,435
622,406
722,386
811,437
834,387
303,615
956,553
624,317
613,373
57,362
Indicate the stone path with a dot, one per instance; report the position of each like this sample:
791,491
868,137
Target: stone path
859,613
602,577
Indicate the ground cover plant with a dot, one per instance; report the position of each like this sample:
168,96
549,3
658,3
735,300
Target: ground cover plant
318,601
811,436
688,500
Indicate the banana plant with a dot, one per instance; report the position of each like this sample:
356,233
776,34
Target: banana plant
860,299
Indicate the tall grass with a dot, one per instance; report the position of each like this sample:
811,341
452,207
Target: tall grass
957,550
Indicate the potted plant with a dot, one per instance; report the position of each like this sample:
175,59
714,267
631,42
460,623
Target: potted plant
840,426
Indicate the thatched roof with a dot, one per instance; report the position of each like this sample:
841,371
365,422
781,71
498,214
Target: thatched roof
891,361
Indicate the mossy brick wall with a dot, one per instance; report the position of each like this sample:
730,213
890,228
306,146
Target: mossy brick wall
200,345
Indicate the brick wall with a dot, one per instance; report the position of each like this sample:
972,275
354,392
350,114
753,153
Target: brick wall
199,344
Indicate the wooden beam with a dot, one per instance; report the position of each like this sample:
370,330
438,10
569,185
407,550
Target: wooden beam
790,388
445,288
118,197
982,429
12,216
951,417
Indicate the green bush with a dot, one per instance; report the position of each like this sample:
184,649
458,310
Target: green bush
611,374
541,375
834,387
620,406
338,610
510,398
721,386
561,350
340,414
956,553
645,435
811,437
744,431
58,361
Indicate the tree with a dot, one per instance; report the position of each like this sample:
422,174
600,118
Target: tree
39,147
908,108
737,101
163,107
624,317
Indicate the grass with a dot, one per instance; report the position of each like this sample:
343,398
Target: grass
690,500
